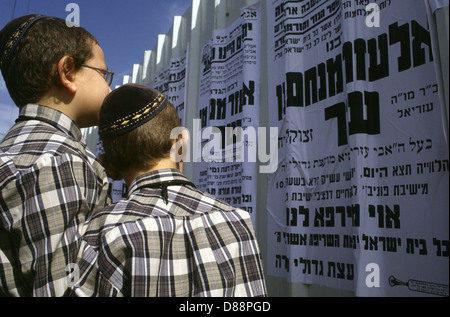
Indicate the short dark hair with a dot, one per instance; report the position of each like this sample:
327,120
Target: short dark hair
145,145
33,67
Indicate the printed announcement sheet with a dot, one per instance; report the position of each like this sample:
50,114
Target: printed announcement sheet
360,199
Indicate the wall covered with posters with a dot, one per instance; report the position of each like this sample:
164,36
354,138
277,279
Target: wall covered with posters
344,101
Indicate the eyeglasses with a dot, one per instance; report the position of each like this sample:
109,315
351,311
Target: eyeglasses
108,75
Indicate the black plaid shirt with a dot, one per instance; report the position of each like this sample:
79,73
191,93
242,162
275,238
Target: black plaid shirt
50,183
196,245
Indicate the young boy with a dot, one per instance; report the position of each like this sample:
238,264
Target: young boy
50,183
167,238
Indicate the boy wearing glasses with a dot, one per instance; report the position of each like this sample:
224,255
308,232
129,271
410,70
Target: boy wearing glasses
167,238
50,183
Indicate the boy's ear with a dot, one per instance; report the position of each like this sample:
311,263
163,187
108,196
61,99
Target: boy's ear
111,171
66,73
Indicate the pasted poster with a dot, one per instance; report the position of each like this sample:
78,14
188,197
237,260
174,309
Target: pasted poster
171,81
224,154
360,199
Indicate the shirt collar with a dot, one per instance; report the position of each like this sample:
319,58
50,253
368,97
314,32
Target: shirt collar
159,176
53,117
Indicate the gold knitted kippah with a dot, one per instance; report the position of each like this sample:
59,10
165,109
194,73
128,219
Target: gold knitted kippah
11,35
129,107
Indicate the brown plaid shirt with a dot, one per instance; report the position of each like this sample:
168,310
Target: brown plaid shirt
196,245
50,183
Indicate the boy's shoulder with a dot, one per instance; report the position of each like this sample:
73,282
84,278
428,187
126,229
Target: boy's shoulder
135,220
43,131
185,204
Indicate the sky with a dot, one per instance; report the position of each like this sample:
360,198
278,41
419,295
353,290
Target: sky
123,28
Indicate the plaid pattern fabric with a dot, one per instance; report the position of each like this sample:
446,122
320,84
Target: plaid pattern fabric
50,183
196,245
